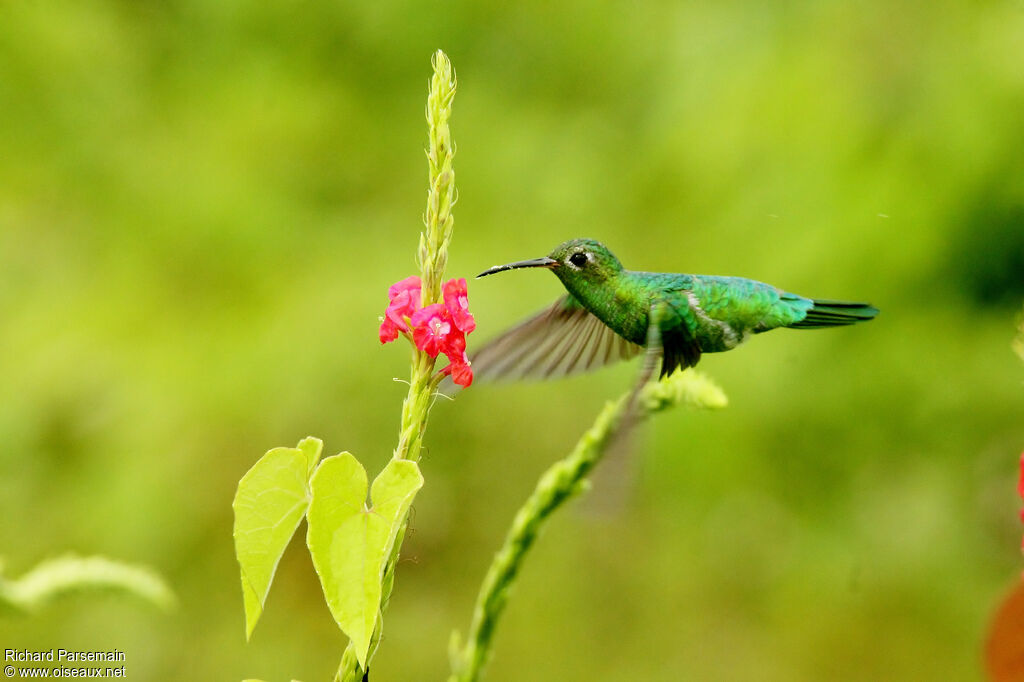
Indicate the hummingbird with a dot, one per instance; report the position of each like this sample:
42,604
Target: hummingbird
607,312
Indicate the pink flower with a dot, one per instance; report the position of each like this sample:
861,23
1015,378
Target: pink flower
388,331
431,329
460,369
411,283
457,301
402,306
455,347
435,329
403,301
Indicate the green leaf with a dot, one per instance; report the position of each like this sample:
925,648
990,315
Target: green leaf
351,542
271,500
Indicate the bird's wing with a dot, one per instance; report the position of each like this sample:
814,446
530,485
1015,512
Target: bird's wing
561,340
680,348
680,319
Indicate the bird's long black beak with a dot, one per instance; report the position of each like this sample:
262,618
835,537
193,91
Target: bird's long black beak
544,262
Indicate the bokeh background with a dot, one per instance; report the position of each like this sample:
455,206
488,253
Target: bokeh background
201,207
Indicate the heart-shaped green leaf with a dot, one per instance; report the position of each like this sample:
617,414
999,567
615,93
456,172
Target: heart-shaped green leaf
271,500
350,542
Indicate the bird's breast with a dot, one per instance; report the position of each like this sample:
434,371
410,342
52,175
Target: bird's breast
628,310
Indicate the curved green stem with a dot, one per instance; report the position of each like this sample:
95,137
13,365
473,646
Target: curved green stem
560,482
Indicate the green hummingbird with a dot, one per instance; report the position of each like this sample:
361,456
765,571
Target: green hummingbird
606,316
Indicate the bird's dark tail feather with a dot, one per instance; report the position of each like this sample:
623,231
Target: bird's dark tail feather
835,314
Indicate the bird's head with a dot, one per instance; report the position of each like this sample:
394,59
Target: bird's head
577,261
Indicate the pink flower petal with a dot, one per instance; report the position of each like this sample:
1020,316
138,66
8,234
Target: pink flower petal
430,329
409,284
462,373
403,300
1020,482
403,305
388,331
455,345
457,301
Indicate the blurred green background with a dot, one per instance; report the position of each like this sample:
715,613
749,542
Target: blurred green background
201,207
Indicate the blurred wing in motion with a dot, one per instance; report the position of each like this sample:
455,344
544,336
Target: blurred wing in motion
562,340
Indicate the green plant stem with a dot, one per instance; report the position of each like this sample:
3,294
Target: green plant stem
416,407
433,259
71,574
438,220
560,482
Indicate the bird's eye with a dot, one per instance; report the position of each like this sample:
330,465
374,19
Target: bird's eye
578,259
